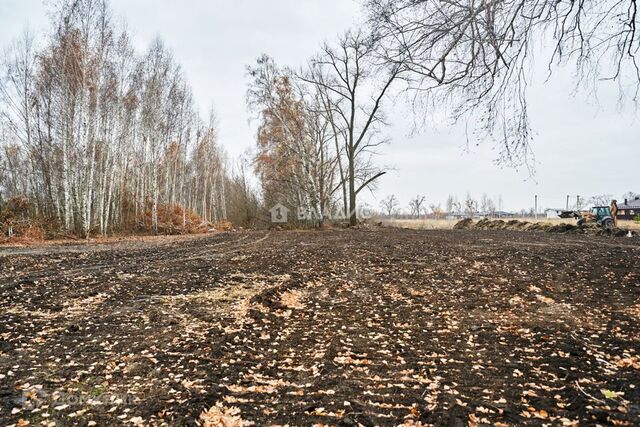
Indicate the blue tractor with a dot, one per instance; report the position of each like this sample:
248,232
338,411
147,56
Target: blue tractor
600,215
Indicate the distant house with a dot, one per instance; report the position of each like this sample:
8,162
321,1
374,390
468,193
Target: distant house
554,213
629,209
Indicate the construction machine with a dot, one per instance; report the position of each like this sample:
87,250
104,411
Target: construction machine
600,215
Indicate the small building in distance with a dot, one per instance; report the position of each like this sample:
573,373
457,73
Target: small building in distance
554,213
629,209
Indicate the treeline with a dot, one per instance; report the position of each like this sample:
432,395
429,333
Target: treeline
418,206
98,138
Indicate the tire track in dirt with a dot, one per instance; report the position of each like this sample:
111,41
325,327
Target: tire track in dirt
162,255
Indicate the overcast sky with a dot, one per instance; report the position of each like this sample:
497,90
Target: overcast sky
581,146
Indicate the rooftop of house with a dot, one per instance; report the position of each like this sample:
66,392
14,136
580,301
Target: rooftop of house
630,204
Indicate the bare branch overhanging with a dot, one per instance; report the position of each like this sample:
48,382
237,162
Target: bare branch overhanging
474,56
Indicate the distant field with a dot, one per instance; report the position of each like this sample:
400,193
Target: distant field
631,225
446,224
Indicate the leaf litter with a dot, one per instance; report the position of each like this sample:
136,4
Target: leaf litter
366,327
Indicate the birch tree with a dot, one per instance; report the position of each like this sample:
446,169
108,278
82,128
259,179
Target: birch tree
101,137
355,88
295,160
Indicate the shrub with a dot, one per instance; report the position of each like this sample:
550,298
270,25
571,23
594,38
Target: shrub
223,225
172,219
22,230
15,208
636,218
15,220
33,231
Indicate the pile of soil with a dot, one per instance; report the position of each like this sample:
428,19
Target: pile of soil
465,224
515,225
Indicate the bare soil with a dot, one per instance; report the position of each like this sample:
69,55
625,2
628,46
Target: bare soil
359,327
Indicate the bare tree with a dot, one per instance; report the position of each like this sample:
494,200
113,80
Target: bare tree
491,207
295,159
600,200
470,205
390,205
474,54
487,205
416,205
449,203
355,87
457,206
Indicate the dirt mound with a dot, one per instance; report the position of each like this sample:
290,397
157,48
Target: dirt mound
465,224
368,225
515,225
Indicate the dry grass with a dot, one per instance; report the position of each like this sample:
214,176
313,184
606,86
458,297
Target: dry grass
447,224
631,225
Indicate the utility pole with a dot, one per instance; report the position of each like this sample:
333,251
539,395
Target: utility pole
567,202
577,203
536,207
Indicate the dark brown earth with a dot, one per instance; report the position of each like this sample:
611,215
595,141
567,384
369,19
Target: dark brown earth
366,327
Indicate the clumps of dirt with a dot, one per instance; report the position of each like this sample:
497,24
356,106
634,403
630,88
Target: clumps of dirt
465,224
368,225
515,225
389,327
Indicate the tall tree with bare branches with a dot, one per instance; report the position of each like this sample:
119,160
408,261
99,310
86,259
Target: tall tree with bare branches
355,87
474,55
389,204
295,159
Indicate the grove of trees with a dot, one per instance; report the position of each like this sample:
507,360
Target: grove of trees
320,126
100,138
